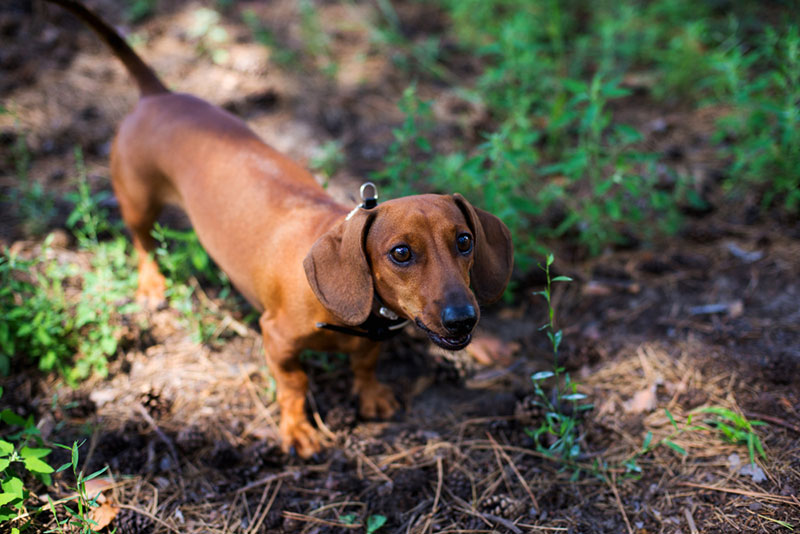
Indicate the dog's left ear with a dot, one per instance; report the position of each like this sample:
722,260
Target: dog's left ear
494,252
337,269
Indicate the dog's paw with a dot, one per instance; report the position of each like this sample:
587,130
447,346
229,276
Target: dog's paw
300,438
376,400
152,286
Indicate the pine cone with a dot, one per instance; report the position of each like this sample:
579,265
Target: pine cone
502,506
131,522
460,485
156,404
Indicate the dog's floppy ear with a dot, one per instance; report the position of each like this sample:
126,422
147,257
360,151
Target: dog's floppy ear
494,252
337,269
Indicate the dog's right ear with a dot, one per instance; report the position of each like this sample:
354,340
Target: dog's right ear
338,272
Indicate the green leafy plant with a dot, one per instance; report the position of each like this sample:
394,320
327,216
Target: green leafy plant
138,10
78,517
558,436
765,122
281,53
408,155
329,159
69,334
37,320
209,35
22,456
374,522
315,39
732,426
186,266
36,206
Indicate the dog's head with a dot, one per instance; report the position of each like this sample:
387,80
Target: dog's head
432,259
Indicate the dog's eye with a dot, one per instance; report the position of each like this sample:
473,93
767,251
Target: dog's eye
401,254
464,243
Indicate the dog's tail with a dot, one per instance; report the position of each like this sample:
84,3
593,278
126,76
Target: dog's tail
145,78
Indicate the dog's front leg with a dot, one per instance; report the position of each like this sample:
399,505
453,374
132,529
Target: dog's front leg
375,399
283,360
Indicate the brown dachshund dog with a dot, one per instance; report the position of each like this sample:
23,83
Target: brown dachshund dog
324,277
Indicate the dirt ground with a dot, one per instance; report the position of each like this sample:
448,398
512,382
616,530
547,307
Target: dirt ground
708,317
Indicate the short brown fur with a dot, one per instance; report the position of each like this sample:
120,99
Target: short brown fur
287,246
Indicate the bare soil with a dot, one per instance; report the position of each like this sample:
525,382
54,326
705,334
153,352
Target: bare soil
188,431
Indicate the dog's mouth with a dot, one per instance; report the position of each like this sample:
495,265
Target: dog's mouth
446,342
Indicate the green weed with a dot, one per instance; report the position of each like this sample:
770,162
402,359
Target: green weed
731,426
407,160
78,515
22,457
329,161
374,522
765,121
138,10
558,436
315,39
556,161
735,428
209,35
36,206
187,266
279,52
72,335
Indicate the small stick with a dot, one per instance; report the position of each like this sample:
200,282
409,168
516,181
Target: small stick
516,472
690,520
310,519
613,485
160,433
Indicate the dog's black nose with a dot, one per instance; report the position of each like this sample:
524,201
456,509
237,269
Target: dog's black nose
459,320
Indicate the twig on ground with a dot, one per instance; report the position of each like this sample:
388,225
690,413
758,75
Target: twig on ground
754,494
310,519
263,516
161,435
516,472
690,521
149,515
440,477
612,484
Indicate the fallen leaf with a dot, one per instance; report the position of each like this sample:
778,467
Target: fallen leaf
95,487
642,401
103,515
99,484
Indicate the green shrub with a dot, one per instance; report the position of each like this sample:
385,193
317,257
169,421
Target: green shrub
22,454
764,124
74,335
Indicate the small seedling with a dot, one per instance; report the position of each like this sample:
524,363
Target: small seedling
78,518
561,406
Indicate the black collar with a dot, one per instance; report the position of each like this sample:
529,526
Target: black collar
375,328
